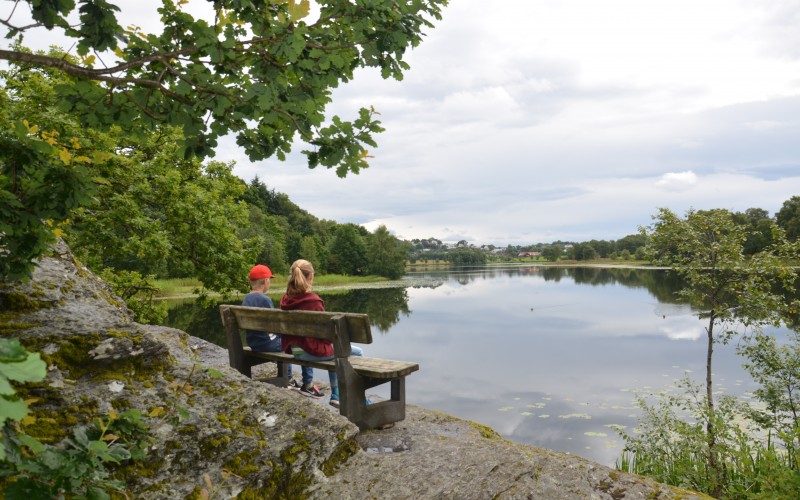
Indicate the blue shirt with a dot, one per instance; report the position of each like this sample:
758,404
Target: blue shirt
260,341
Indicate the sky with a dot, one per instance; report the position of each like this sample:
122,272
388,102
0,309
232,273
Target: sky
528,121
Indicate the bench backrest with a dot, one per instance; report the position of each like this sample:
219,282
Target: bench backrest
333,326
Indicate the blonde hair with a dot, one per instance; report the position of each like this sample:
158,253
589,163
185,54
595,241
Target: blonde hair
299,277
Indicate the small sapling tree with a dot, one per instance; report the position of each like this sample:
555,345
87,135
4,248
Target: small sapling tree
732,291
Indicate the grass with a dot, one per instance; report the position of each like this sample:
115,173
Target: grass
177,286
182,287
334,280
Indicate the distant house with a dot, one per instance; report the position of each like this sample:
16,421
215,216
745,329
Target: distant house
530,254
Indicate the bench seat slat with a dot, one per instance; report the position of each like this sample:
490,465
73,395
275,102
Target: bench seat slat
382,368
368,367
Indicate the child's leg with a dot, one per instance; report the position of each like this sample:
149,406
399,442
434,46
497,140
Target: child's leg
334,381
334,385
308,374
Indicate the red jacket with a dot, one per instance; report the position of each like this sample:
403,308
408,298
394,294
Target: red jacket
307,301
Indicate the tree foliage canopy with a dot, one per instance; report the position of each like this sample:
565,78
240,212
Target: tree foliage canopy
258,69
386,254
788,217
708,249
261,69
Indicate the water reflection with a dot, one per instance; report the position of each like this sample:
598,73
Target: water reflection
383,305
547,356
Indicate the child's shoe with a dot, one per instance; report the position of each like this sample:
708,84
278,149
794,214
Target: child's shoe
335,397
311,390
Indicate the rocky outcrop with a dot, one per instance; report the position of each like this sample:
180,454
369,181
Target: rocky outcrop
235,437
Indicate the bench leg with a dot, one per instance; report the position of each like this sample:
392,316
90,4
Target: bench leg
242,366
387,412
398,391
281,379
353,393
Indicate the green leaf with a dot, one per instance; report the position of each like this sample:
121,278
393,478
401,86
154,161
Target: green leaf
100,449
6,389
298,9
32,369
119,453
80,436
183,413
96,493
11,351
12,409
17,364
31,442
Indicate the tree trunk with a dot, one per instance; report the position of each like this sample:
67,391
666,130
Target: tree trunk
711,432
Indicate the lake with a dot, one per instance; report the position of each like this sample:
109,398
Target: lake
548,356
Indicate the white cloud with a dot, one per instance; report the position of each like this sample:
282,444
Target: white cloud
677,180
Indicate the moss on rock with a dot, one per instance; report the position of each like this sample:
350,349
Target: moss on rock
50,426
19,302
485,431
340,455
74,357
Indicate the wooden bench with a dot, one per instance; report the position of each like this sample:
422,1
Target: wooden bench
356,373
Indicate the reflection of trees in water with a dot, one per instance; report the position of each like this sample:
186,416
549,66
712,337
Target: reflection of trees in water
383,305
661,283
793,318
465,279
199,318
553,273
466,275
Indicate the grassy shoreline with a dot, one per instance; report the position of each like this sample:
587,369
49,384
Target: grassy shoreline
187,287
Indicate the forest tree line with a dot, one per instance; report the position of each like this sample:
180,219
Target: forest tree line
756,222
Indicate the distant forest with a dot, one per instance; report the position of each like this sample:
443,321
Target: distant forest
757,222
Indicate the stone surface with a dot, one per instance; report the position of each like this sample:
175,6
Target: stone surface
232,436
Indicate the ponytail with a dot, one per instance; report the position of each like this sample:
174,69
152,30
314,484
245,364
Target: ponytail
299,277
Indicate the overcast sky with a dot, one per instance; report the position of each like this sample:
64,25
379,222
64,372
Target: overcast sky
524,121
527,121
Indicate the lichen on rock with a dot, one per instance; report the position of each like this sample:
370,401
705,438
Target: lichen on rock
206,425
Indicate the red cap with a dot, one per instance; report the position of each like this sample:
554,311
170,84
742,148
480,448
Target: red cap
259,272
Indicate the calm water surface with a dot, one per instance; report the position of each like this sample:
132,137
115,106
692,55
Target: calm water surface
551,357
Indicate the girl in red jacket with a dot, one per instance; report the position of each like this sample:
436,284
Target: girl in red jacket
300,297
